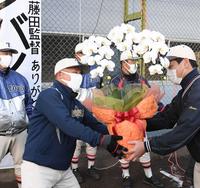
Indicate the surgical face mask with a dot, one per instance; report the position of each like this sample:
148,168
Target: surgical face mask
5,60
171,74
75,82
132,68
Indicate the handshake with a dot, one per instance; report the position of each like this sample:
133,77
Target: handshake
109,142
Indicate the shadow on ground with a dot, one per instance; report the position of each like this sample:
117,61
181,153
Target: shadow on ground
111,178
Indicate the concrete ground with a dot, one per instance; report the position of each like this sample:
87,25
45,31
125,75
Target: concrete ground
111,178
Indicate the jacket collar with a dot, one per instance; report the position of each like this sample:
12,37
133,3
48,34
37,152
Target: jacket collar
189,77
132,77
4,72
64,89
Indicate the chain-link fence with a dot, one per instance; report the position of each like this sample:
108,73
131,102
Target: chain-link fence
65,23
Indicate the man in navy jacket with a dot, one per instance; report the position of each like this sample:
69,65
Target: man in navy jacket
58,120
181,115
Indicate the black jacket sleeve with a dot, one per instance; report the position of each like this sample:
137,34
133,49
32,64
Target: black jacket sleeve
91,121
165,119
188,125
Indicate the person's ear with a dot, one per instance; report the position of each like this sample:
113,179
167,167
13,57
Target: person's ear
187,63
57,76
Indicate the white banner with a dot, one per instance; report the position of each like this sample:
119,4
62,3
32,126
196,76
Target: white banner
21,27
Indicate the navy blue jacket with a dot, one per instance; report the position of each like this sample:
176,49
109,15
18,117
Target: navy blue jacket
183,115
59,119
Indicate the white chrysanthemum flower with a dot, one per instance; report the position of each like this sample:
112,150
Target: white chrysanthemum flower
106,42
130,28
134,55
140,49
116,35
98,58
155,69
97,72
137,37
100,71
124,27
84,60
163,49
93,46
119,37
159,47
121,46
102,51
91,61
103,63
109,53
147,43
130,36
143,48
154,56
99,40
164,62
146,34
126,55
152,70
87,50
159,69
111,66
157,37
94,73
128,44
147,57
127,28
155,47
89,47
92,38
112,32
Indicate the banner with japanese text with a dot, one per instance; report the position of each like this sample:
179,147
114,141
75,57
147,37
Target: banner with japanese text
20,22
21,27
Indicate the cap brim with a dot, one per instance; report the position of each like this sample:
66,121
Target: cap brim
171,57
83,68
9,50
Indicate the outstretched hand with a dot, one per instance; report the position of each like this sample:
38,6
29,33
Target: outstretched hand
137,150
156,92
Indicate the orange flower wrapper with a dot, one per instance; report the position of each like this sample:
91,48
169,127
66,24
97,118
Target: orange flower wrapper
131,124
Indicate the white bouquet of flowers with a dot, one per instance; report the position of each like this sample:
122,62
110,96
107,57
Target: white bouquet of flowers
148,45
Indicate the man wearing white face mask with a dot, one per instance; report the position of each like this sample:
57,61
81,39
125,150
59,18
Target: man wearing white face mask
171,73
129,75
181,115
15,109
58,120
85,93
